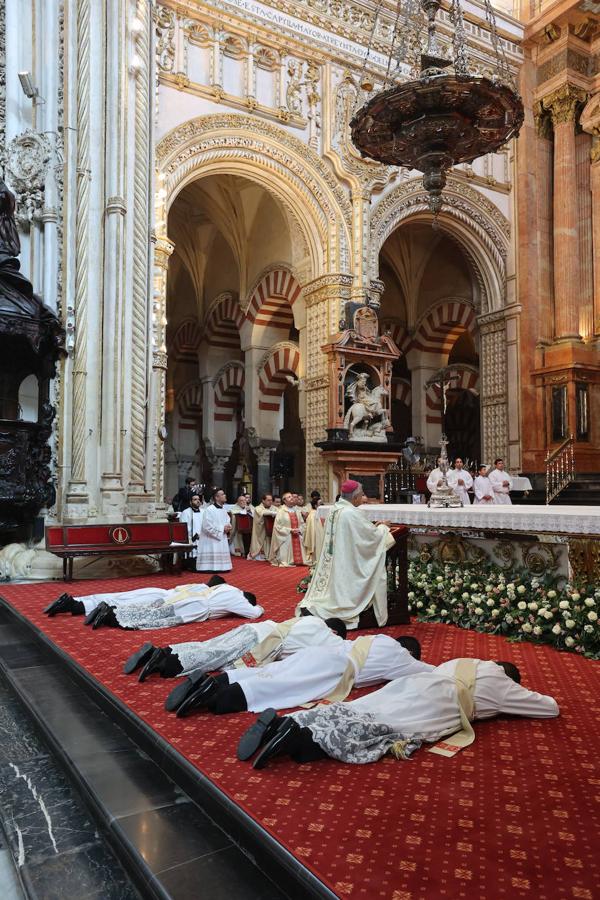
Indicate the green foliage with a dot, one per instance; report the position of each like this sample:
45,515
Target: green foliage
516,604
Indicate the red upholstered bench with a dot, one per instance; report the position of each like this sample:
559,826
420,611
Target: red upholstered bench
169,539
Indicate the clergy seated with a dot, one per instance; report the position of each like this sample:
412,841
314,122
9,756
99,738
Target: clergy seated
350,575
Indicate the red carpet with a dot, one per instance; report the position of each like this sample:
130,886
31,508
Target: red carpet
515,815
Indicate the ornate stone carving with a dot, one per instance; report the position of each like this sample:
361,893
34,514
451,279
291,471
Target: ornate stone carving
25,161
562,104
164,20
2,74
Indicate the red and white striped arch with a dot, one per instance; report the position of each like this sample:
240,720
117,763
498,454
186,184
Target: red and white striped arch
282,361
272,300
440,328
399,334
186,343
402,391
223,323
189,405
229,385
463,378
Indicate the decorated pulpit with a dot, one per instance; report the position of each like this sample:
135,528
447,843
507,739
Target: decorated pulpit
359,441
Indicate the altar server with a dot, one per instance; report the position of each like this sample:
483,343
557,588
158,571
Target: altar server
460,481
312,538
403,714
435,479
251,645
192,516
286,540
316,673
213,548
350,574
160,608
241,514
501,483
260,545
482,487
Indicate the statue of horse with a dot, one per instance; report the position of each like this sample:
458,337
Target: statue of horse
371,413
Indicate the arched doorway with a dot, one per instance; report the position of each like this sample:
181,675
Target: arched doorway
428,305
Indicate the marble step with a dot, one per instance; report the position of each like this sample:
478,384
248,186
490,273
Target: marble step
170,827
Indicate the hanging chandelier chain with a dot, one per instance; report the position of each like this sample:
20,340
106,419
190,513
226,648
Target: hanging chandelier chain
371,39
459,40
498,47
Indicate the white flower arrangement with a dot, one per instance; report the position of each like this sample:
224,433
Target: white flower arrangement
523,608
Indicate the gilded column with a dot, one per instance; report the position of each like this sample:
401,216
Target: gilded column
562,105
595,187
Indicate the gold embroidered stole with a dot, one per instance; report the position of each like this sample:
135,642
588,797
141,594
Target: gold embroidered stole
356,659
268,647
465,677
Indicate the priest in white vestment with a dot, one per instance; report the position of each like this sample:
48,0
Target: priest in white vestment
350,575
460,481
286,540
482,487
213,548
435,479
312,539
192,516
501,482
403,714
315,673
260,545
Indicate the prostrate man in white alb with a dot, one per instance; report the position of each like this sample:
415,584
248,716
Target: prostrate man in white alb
460,481
350,575
213,549
482,488
501,482
253,644
286,540
260,545
154,607
192,516
403,714
317,673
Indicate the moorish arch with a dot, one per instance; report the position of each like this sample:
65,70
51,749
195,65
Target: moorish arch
223,322
441,326
229,385
280,365
316,204
272,298
186,341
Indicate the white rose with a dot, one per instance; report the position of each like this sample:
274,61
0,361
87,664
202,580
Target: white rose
444,612
576,597
478,611
521,604
564,604
439,578
521,589
490,602
589,601
527,628
592,616
570,623
411,595
532,606
474,586
537,630
569,641
547,613
510,587
589,629
552,594
495,613
419,604
509,620
557,629
465,596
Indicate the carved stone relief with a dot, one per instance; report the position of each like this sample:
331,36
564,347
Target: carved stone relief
25,161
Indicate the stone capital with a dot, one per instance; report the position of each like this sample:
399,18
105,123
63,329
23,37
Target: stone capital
562,104
162,251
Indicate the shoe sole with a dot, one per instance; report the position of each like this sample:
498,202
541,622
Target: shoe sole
136,660
92,615
189,705
181,693
257,735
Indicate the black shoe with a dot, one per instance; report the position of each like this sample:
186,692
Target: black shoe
105,616
282,742
184,689
139,658
92,615
63,604
251,598
200,698
215,580
258,734
155,663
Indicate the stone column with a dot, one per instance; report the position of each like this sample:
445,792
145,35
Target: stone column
218,462
163,249
562,105
595,185
325,298
263,475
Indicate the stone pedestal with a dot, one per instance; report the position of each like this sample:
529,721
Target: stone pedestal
362,465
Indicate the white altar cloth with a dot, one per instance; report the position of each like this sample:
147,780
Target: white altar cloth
556,520
521,483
